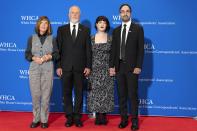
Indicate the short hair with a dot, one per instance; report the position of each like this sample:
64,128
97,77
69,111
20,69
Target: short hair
37,28
103,18
76,7
125,4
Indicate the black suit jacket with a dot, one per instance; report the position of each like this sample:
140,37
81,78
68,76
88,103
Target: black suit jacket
134,47
74,55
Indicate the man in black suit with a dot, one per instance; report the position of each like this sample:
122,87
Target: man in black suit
126,60
75,62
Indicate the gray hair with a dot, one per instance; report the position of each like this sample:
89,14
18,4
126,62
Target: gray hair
76,7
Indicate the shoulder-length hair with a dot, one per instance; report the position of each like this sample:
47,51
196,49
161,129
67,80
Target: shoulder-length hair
43,18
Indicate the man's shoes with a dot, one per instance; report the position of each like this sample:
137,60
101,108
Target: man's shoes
44,125
69,122
123,124
78,123
34,124
135,125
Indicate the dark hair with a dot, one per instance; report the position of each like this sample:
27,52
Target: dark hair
125,5
37,28
103,18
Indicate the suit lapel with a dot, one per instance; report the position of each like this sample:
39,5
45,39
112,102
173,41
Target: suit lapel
119,37
78,33
68,33
129,33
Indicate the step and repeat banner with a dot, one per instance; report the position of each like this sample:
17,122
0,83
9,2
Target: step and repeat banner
168,83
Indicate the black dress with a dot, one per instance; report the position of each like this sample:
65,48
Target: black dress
101,96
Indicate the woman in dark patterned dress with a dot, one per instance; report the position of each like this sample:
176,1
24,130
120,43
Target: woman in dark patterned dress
101,96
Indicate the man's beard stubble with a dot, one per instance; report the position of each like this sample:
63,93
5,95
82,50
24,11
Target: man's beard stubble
125,18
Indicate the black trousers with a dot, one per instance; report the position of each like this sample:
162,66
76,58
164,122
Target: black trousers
70,80
127,90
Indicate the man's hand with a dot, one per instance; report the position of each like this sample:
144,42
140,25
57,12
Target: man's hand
59,72
112,71
137,71
86,72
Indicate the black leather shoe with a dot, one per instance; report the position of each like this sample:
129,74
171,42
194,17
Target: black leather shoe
78,123
123,124
44,125
69,122
34,124
135,125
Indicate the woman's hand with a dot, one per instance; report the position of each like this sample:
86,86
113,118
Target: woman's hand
47,57
37,60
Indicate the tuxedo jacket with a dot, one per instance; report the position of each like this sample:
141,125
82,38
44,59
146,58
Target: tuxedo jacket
134,50
74,55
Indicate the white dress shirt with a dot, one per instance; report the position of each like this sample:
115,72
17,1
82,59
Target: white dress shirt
76,27
127,29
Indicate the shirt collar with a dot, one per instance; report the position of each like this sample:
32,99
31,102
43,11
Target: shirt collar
127,23
43,35
71,24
